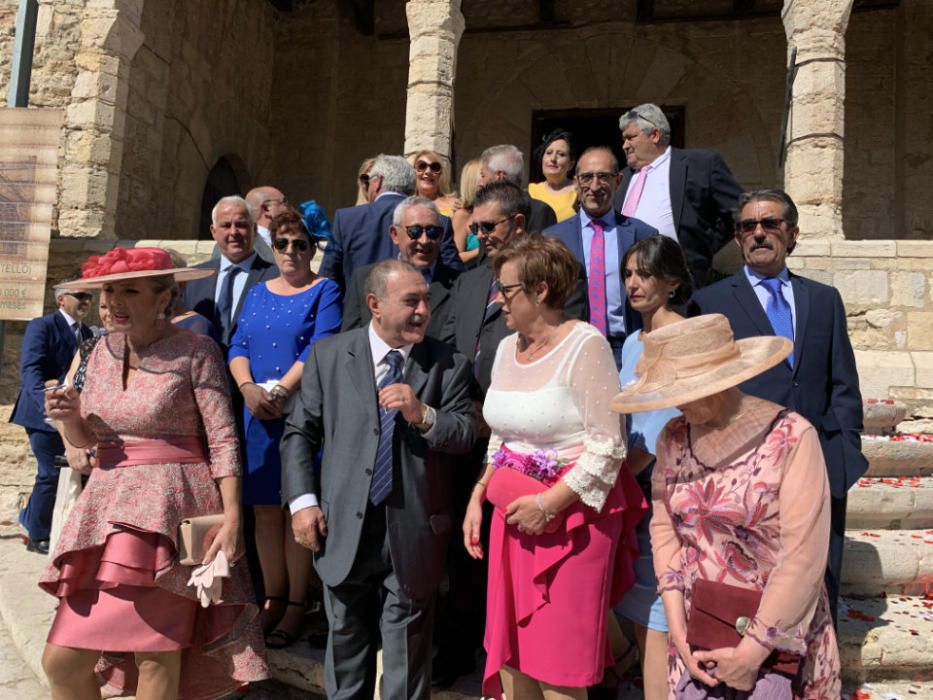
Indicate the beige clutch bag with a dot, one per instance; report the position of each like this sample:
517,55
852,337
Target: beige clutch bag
195,536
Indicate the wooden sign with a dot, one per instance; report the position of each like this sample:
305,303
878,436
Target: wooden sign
28,171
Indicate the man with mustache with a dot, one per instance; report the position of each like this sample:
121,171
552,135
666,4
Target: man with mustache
388,405
416,231
819,379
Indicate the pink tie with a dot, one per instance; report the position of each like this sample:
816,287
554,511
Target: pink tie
634,195
597,278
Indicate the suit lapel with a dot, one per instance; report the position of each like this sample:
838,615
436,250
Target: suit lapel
66,337
482,281
748,301
576,242
624,238
802,308
416,374
360,368
678,180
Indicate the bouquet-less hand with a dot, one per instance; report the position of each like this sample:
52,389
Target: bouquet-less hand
230,539
472,522
260,402
694,667
401,397
62,402
525,514
309,527
78,458
730,666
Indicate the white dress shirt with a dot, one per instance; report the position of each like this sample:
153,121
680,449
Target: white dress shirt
239,282
654,206
265,233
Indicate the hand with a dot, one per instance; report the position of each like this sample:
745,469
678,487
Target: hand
309,526
524,513
260,402
401,397
456,204
78,458
731,667
472,523
63,404
694,667
229,538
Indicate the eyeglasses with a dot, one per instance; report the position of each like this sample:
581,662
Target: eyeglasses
601,178
432,232
631,115
299,244
504,289
423,165
770,224
487,226
81,296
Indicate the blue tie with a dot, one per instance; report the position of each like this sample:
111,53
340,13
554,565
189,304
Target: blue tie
225,304
381,485
778,311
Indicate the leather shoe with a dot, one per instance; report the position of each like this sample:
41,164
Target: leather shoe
37,546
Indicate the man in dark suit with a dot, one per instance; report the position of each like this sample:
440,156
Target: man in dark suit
687,195
239,267
360,234
416,231
819,380
377,514
49,345
598,236
505,162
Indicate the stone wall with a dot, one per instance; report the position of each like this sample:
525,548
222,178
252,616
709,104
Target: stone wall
887,287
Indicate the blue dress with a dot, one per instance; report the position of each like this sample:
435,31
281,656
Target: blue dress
273,332
642,604
197,324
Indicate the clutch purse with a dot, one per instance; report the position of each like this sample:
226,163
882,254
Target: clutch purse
719,616
505,485
195,536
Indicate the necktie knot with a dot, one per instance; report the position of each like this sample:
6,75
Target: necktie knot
394,359
599,226
773,285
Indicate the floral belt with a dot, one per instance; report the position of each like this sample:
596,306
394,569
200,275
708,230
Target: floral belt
543,465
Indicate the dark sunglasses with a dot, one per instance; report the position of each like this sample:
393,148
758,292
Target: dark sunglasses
299,244
770,224
632,115
364,180
432,232
487,226
81,296
423,165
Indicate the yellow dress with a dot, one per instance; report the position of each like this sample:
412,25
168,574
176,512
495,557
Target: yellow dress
561,202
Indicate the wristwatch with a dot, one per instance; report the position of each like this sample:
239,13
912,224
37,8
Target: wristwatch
428,417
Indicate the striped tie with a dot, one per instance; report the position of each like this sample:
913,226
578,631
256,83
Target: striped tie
597,278
381,485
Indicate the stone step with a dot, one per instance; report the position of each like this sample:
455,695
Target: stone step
888,690
897,458
888,638
887,561
891,503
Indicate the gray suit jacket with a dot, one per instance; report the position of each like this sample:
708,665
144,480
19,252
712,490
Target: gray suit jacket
336,407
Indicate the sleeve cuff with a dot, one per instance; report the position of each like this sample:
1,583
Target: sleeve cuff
305,500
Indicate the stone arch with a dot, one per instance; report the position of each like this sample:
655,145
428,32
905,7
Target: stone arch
228,176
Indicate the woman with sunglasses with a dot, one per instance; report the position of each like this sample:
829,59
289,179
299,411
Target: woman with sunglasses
557,157
362,181
432,181
279,322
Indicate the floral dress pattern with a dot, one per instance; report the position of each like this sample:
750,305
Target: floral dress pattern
759,522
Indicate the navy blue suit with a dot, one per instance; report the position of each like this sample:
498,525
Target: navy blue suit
822,386
628,230
47,351
360,236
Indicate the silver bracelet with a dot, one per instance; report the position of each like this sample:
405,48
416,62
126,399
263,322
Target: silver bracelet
548,515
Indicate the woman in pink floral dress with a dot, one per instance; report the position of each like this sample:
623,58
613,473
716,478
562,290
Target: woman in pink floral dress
741,498
156,405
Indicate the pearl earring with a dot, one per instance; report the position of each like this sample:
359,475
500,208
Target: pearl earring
670,294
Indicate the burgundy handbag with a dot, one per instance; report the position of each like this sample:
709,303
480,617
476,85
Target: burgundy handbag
719,616
505,485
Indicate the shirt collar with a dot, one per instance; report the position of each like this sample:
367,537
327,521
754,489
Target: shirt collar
244,265
381,348
71,321
757,278
387,193
660,160
608,219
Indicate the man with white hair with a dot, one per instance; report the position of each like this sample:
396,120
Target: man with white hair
687,195
505,162
238,267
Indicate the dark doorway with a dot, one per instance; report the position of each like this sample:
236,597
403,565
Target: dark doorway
592,127
222,181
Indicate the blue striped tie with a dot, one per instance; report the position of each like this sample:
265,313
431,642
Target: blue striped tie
778,311
381,485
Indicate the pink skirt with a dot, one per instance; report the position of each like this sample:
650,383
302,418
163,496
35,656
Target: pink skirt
548,595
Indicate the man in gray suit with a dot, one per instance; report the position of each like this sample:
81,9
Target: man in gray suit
377,513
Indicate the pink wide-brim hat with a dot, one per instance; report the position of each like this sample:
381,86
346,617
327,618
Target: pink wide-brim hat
695,358
122,264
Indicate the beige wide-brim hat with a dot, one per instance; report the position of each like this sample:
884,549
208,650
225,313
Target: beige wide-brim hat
121,264
695,358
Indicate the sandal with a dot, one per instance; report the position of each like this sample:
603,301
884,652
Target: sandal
280,638
269,618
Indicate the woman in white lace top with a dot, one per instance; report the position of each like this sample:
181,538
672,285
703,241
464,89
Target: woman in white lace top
562,542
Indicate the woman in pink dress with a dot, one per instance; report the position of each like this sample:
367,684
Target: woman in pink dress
741,523
156,405
558,557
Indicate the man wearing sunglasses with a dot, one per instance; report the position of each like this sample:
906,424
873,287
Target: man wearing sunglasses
687,195
49,344
819,380
417,232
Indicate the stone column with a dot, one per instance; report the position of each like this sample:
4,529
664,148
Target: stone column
435,28
95,118
816,127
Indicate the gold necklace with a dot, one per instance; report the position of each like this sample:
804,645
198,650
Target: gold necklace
529,354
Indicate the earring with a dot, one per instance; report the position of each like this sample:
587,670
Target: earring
670,294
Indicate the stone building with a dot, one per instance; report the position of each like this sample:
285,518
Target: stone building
170,103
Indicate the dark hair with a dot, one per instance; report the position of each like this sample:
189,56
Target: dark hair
660,256
541,259
290,221
551,137
789,214
510,197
